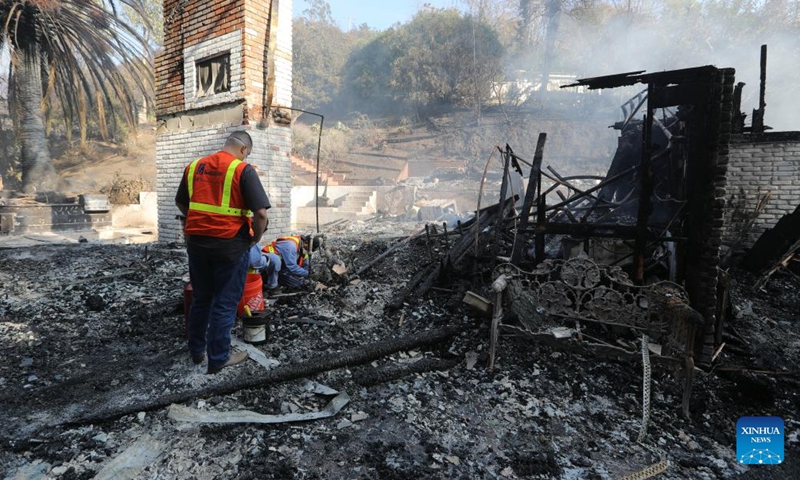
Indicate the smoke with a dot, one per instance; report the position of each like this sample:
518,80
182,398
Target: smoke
658,40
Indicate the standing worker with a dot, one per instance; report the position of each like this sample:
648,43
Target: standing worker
288,261
217,195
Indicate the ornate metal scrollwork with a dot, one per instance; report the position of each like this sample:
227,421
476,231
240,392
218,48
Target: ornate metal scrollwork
580,289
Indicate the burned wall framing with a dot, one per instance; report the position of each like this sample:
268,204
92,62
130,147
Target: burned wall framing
699,152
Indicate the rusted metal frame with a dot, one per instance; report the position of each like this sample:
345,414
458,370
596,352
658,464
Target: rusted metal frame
480,196
566,210
633,113
591,190
534,183
503,190
561,180
645,189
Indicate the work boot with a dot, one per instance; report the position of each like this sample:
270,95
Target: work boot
235,358
197,360
274,291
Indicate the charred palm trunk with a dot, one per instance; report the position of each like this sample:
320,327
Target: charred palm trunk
38,174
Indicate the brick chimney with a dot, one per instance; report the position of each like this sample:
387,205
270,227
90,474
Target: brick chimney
226,65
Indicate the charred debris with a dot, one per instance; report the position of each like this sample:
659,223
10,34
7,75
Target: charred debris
627,265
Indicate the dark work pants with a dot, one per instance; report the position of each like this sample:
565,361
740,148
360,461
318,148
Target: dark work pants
217,289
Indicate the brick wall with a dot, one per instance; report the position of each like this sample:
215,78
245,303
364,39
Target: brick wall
187,23
191,127
758,164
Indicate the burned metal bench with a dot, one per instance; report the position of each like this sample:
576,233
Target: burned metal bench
563,292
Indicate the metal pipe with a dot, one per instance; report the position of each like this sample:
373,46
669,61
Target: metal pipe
319,145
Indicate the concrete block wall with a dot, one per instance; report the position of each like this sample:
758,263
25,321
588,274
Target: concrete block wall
231,43
758,164
176,149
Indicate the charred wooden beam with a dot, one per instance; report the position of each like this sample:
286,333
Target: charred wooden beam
387,252
322,363
646,184
369,376
503,190
591,190
534,186
758,114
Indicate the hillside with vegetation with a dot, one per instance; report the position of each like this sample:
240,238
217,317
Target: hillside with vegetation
436,94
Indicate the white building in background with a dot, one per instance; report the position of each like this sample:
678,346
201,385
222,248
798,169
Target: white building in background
520,90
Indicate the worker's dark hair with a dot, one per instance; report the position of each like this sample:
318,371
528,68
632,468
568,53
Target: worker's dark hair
316,244
240,136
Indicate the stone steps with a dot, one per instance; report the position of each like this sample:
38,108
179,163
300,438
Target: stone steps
357,202
306,169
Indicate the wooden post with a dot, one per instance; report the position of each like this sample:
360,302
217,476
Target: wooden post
645,188
534,183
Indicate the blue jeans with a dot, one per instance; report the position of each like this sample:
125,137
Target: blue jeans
274,275
217,289
272,270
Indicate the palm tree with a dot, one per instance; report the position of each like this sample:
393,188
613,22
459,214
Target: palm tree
83,53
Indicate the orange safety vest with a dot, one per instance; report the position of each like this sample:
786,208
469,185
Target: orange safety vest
297,243
216,205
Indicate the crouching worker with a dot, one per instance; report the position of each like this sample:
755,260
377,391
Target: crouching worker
288,261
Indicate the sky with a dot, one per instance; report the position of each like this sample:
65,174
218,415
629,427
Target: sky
379,15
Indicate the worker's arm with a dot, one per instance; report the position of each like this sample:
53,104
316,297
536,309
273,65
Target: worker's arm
256,200
260,223
289,253
182,196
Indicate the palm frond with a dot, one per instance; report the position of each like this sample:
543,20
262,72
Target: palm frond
88,45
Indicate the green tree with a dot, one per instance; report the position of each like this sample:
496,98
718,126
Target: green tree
149,20
447,58
320,51
73,49
368,74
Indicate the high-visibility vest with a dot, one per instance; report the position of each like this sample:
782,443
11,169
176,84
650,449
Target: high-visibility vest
298,242
216,205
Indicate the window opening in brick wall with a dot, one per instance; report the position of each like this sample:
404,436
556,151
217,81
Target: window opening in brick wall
213,75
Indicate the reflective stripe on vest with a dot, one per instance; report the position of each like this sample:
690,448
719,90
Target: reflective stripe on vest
225,208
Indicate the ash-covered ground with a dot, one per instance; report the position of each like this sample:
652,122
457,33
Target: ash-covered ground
92,339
